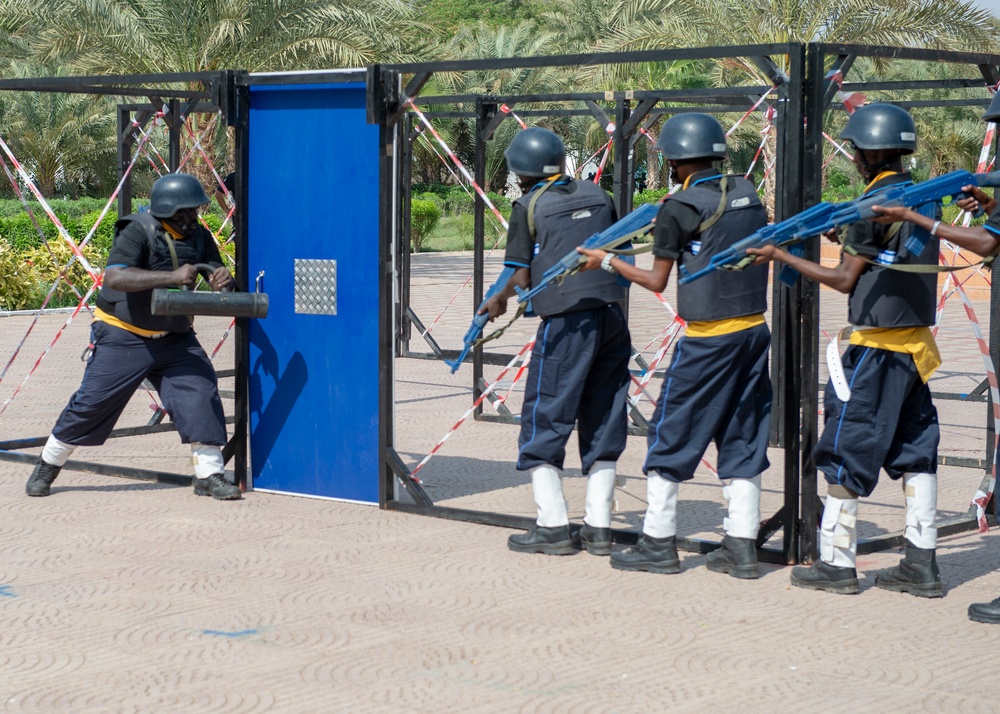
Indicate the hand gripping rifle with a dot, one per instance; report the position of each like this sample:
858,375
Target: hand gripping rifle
637,223
474,333
826,216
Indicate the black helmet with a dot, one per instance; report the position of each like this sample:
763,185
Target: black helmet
993,111
536,152
692,136
881,126
173,192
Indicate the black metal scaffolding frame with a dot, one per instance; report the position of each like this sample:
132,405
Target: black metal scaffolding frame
176,96
807,94
805,97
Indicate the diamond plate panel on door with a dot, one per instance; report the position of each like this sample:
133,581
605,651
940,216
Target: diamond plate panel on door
316,287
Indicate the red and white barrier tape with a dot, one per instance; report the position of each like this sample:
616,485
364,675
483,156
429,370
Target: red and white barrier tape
486,392
458,164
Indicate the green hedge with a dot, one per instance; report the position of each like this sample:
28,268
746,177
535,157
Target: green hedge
27,266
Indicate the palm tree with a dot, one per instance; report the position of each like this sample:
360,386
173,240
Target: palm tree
62,139
935,24
159,36
482,41
166,36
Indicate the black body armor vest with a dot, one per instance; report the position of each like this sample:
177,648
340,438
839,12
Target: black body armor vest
884,297
564,221
722,294
134,307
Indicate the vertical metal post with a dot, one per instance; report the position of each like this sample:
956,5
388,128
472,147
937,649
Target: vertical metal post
240,120
383,109
484,112
175,123
811,182
405,274
125,142
786,305
622,166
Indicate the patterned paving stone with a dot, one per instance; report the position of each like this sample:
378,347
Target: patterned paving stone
125,596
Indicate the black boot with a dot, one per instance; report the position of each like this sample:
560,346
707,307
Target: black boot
550,541
217,487
653,555
596,541
988,612
41,479
917,574
737,556
823,576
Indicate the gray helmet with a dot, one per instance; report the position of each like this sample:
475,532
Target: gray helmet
692,136
881,126
173,192
536,152
993,111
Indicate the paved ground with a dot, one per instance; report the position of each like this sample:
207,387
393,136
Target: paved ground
121,596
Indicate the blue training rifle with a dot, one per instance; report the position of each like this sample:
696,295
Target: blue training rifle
475,330
826,216
636,223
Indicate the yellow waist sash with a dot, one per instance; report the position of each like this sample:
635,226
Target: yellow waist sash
915,341
714,328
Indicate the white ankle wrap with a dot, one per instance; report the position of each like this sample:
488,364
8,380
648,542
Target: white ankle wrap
661,512
744,507
920,492
546,485
838,533
57,452
600,494
207,460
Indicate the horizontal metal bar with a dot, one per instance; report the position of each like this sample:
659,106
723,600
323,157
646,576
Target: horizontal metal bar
909,53
106,469
321,76
622,537
488,357
597,58
666,95
32,442
962,462
975,82
961,524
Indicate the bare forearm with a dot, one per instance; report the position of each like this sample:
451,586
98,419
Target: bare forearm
977,239
831,277
130,280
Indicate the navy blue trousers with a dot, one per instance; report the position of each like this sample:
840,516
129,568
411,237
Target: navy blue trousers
890,422
178,369
716,389
578,375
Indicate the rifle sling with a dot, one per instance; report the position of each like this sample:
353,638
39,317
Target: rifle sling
499,331
714,218
919,268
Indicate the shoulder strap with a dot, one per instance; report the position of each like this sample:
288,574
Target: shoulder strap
714,218
534,199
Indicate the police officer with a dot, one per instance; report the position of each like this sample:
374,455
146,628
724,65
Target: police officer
129,344
983,240
579,367
885,418
717,387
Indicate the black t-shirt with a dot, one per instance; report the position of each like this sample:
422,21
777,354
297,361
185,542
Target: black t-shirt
993,222
520,243
866,237
677,223
131,249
